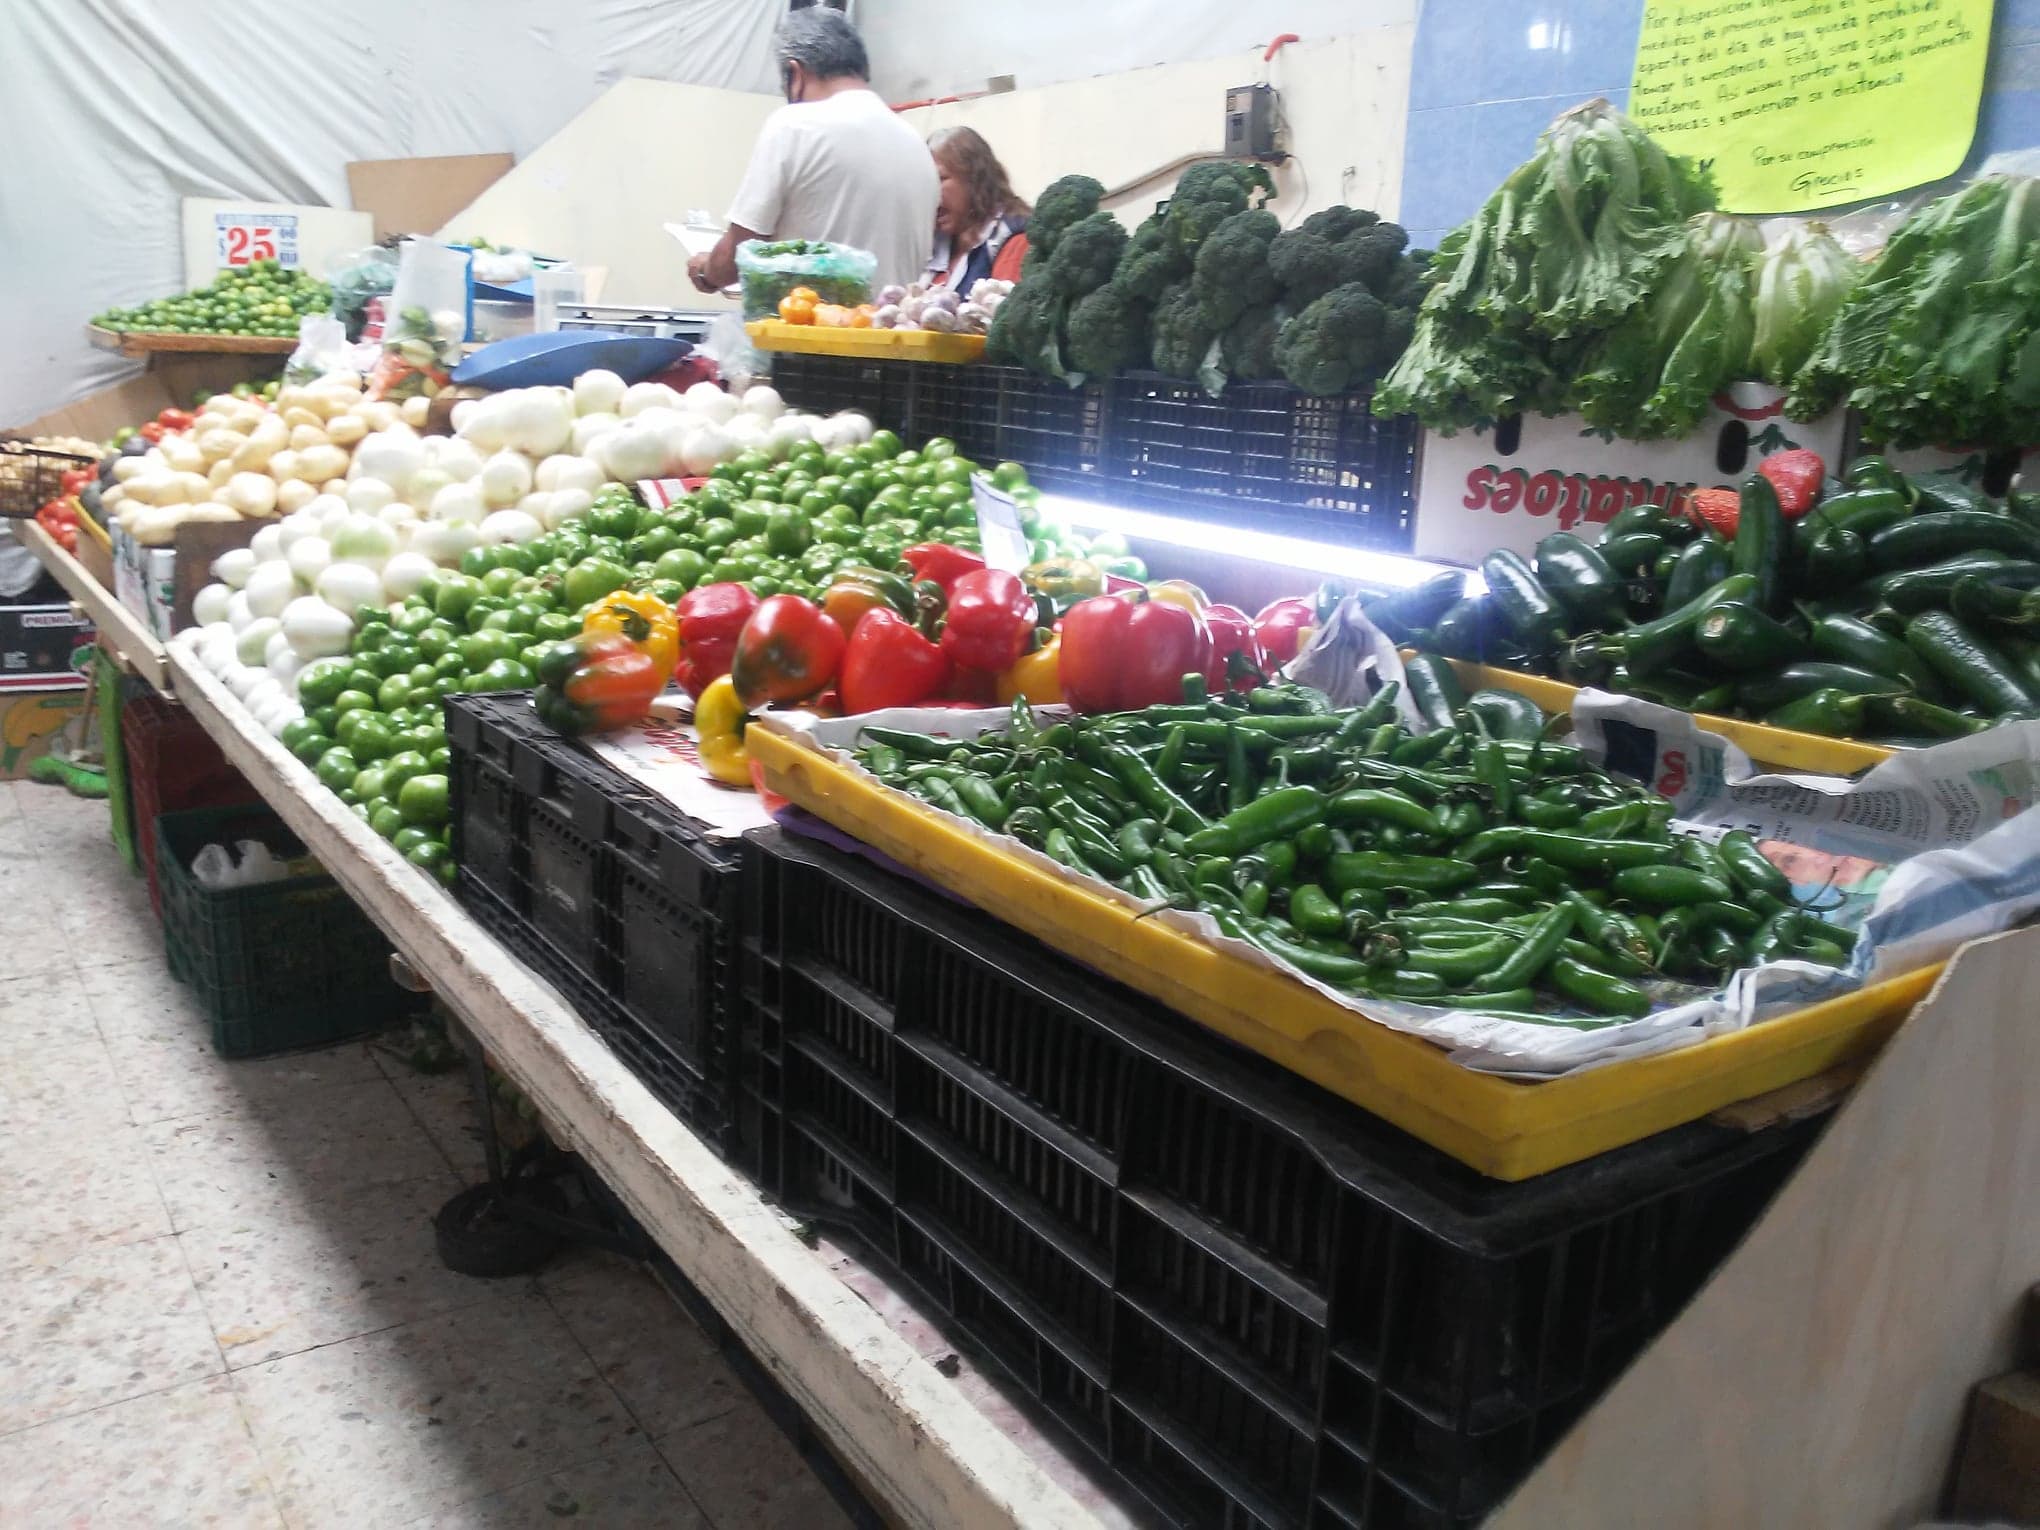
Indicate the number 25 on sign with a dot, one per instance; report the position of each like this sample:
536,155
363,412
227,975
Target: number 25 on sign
241,243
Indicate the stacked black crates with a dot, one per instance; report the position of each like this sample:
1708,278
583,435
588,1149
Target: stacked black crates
610,893
1260,454
1256,1306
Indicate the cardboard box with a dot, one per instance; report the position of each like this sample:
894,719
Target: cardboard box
28,720
145,581
1560,474
417,196
36,644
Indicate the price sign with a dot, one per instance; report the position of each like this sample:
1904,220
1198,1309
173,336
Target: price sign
240,239
1000,533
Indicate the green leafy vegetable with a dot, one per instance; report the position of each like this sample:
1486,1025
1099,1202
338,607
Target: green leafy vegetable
1939,343
1801,282
1569,246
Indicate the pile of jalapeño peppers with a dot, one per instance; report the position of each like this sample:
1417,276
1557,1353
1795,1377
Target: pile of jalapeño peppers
1481,865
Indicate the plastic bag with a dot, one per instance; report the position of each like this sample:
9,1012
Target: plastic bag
737,360
321,348
836,272
357,278
249,864
429,320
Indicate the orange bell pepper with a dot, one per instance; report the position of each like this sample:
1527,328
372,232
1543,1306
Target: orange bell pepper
798,306
645,620
860,316
1037,676
832,315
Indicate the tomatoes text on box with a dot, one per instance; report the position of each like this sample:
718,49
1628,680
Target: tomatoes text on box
1572,498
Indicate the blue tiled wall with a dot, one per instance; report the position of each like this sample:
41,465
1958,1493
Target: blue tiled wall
1489,75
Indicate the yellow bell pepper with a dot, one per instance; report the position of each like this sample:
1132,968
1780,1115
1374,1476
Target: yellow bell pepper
1037,676
719,728
645,620
1180,592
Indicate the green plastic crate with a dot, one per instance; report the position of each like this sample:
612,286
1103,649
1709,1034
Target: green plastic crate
277,967
109,691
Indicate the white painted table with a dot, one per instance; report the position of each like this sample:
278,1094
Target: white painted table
910,1434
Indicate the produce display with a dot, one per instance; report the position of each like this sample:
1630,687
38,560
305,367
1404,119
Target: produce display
437,570
1898,610
1212,288
1476,865
916,307
1936,345
260,298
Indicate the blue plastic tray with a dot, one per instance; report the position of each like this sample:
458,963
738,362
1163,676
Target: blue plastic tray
558,357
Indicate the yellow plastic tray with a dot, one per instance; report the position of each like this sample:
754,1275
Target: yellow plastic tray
1504,1129
1767,746
872,344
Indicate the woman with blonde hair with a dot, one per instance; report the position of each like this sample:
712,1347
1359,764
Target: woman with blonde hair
980,223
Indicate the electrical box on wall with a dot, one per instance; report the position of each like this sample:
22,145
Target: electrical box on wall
1250,123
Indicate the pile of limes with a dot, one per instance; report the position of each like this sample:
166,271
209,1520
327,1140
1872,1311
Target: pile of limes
260,298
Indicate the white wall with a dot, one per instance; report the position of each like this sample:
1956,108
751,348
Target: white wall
1346,100
112,111
924,48
597,191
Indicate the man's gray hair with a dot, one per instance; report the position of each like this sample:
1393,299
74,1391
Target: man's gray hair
823,43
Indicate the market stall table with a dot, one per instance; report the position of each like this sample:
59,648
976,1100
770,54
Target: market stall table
886,1410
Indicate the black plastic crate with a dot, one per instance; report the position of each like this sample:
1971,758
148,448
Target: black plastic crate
32,476
616,897
1265,447
278,966
1257,1304
825,384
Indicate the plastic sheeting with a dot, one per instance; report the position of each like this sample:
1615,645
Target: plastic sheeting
116,110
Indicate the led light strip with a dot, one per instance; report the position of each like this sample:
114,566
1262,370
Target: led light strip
1387,571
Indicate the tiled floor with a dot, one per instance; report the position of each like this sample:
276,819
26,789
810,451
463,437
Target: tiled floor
219,1299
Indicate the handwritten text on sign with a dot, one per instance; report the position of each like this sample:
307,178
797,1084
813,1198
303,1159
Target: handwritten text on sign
1812,103
240,239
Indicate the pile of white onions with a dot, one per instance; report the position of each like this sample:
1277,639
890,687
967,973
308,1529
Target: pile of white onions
519,464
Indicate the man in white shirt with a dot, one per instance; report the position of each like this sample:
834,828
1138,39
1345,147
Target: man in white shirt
834,163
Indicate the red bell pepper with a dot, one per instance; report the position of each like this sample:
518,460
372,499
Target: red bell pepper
1120,652
940,562
788,651
176,419
1280,628
151,432
887,663
711,617
1232,632
990,621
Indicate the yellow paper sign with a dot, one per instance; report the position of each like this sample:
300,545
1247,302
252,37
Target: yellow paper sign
1803,104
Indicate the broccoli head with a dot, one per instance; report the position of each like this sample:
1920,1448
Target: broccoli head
1024,329
1339,341
1248,344
1207,194
1405,287
1182,335
1086,255
1151,261
1107,332
1333,247
1232,273
1066,201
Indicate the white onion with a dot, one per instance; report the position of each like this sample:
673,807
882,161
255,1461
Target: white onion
510,526
344,586
232,567
308,557
209,605
406,574
270,588
598,391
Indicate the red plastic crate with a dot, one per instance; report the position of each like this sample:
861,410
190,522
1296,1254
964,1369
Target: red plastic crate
173,766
